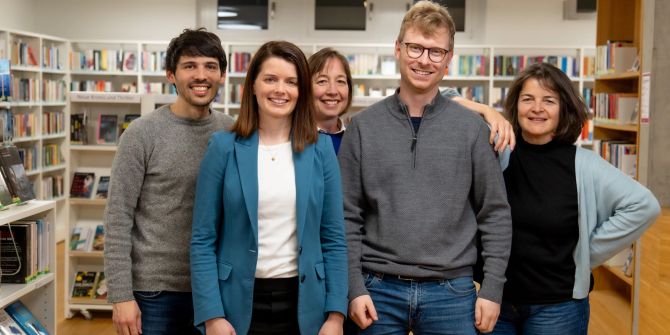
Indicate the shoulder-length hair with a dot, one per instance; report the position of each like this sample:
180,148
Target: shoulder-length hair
573,111
303,126
317,62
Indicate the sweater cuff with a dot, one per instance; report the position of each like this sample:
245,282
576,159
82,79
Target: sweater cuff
116,297
492,290
357,288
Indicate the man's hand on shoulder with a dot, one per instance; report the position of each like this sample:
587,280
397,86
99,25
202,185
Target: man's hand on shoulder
127,318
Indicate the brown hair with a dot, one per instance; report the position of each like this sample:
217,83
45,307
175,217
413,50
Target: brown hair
427,17
303,126
573,111
198,42
318,61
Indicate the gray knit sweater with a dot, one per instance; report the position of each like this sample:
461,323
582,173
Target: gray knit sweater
413,207
149,210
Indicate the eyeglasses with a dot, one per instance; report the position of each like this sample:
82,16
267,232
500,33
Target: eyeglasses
415,51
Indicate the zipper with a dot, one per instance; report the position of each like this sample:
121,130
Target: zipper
415,137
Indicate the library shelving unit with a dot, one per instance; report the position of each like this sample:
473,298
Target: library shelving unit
614,300
91,156
38,295
39,108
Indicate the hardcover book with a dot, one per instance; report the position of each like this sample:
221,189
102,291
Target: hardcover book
25,319
99,238
82,185
103,187
15,174
16,245
107,129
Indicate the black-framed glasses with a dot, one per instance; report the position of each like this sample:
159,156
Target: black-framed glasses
415,51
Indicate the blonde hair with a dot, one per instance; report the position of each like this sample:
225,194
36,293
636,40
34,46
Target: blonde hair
427,17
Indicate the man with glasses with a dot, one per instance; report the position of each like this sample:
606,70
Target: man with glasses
420,183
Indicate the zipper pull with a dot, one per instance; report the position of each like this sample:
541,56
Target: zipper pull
413,143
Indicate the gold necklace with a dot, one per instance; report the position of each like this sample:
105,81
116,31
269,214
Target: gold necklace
266,148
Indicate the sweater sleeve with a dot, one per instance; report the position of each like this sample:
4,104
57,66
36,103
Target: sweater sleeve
494,222
354,208
625,210
125,186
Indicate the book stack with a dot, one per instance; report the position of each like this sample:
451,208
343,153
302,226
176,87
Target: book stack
26,253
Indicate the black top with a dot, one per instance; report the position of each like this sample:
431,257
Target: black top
542,192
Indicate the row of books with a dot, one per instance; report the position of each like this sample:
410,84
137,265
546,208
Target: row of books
52,155
85,238
153,61
101,86
23,124
474,93
239,61
22,53
616,108
104,60
159,88
512,65
28,156
32,89
83,184
16,319
53,122
620,153
89,287
51,58
52,187
468,65
26,253
107,128
25,89
615,57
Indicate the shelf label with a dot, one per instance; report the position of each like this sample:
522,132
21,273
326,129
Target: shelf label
104,97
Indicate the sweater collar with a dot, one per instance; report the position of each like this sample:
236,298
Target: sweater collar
399,109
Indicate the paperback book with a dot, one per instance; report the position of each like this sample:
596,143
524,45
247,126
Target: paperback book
82,185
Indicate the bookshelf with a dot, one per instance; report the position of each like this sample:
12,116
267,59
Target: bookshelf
87,154
38,295
614,300
38,107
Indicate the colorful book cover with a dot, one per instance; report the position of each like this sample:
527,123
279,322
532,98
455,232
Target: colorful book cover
5,80
8,326
100,293
107,129
15,241
99,238
15,174
25,319
84,285
103,187
82,185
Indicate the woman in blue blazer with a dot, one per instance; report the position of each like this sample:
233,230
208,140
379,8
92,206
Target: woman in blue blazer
268,252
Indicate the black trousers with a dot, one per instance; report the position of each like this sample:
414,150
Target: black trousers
275,307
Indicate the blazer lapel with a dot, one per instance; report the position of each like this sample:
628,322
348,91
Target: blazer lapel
246,154
303,163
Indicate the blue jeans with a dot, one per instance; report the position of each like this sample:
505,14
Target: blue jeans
566,318
423,307
166,313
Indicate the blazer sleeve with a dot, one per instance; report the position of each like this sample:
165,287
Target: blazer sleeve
333,243
625,209
207,215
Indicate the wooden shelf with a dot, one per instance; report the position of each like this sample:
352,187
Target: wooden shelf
92,147
631,128
88,202
86,254
610,313
619,76
13,292
90,304
617,271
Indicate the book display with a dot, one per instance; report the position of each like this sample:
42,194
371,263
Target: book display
29,296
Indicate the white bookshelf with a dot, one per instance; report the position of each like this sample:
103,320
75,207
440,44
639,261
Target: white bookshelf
38,295
50,75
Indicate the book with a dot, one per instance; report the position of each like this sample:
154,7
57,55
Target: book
107,129
15,174
8,326
78,134
82,185
25,319
99,238
127,119
84,285
81,238
5,80
5,194
103,187
100,292
16,246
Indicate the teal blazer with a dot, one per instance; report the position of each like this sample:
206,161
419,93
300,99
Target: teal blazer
224,243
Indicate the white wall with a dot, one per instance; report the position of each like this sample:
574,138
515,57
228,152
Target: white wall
17,15
114,19
499,22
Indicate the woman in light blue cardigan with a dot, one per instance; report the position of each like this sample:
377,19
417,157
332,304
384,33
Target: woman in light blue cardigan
571,209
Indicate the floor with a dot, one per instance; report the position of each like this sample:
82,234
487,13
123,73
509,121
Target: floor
100,324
